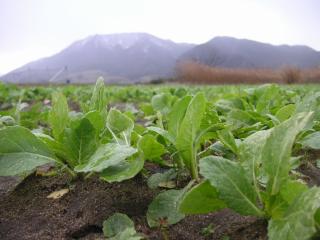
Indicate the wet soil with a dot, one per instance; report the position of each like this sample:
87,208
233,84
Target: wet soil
27,213
308,168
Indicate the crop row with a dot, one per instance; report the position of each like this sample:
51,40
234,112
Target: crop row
239,150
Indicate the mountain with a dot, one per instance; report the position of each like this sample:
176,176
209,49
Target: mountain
141,57
118,58
241,53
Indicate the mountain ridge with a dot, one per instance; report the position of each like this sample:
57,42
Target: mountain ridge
229,52
141,57
117,57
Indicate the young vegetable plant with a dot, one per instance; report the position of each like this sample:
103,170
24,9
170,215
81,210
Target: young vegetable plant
259,184
120,227
82,143
21,151
187,124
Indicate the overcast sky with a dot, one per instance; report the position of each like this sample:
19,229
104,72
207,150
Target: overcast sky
31,29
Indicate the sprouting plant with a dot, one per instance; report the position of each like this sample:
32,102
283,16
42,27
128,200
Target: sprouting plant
185,129
82,144
259,184
207,231
120,227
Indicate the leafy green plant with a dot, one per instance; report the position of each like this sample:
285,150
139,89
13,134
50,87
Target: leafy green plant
235,141
187,133
82,143
120,227
311,141
163,210
152,150
184,130
85,141
259,184
164,179
7,121
209,230
21,151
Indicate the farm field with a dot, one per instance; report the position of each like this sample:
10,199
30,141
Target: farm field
160,162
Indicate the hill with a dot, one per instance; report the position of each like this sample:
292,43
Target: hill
141,57
117,57
230,52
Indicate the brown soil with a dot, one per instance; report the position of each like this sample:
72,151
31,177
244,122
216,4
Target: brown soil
27,213
309,169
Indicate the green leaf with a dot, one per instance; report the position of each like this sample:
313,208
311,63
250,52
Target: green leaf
98,100
163,210
80,142
310,103
276,152
276,205
119,124
298,222
163,133
285,112
21,151
201,199
219,149
233,186
211,117
107,155
250,153
238,118
123,171
146,108
59,114
291,189
150,147
269,93
97,120
311,141
127,234
226,105
295,162
228,140
317,217
185,142
115,224
161,178
177,114
7,121
56,147
162,102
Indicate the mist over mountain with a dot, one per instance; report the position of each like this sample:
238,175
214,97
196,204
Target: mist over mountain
230,52
117,57
141,57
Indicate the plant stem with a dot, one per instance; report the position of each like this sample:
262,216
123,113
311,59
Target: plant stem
88,175
194,170
164,233
159,122
194,165
65,167
179,162
72,173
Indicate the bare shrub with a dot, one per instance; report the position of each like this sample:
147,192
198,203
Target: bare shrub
192,72
311,75
291,75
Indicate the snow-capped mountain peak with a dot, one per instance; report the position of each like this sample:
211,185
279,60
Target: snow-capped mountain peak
123,40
